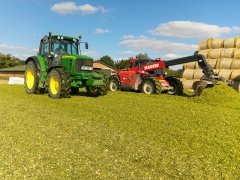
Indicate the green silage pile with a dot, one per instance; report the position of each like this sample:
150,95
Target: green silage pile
220,95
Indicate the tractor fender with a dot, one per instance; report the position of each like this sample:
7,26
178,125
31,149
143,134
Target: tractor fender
35,60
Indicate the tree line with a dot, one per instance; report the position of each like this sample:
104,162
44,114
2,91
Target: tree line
7,60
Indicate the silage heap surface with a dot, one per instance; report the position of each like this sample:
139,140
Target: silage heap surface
220,95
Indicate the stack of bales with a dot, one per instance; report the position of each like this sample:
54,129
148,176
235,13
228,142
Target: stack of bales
223,55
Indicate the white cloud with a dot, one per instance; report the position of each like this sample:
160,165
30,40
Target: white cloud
102,31
171,56
71,7
65,7
142,43
189,29
5,47
17,51
129,53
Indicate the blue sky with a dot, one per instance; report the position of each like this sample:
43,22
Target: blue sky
120,29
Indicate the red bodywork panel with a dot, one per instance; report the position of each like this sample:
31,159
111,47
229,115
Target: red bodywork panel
131,77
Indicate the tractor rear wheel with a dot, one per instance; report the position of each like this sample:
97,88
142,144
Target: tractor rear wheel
114,83
59,83
176,84
151,86
31,79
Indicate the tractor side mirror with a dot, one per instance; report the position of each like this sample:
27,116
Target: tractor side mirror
45,39
86,45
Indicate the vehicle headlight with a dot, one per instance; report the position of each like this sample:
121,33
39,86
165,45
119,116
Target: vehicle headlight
86,68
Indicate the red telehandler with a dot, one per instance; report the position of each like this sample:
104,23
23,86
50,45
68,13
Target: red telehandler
148,76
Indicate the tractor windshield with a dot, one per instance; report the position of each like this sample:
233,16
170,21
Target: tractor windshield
65,47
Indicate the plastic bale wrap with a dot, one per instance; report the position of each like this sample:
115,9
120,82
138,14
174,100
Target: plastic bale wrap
225,73
215,53
227,53
226,63
236,85
204,53
217,43
235,76
187,84
206,44
236,64
212,63
230,43
198,74
188,74
237,54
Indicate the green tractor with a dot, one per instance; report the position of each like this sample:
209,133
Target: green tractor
61,70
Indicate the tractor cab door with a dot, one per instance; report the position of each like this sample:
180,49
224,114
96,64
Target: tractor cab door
44,51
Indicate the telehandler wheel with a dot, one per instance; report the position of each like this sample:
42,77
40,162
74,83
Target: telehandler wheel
92,91
151,86
114,83
58,83
176,84
31,78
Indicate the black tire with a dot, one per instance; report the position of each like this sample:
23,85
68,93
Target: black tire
151,86
74,90
176,84
92,91
114,83
103,89
31,78
59,84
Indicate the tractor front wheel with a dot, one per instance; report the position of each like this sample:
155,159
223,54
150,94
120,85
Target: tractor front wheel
31,78
151,86
177,86
58,84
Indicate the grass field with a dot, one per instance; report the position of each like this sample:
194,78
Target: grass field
123,135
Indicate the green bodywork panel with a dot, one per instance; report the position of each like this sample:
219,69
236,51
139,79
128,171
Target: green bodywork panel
78,78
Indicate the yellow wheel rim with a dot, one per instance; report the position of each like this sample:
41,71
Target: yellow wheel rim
30,78
54,85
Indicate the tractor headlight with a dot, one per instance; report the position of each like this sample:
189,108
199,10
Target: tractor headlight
86,68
